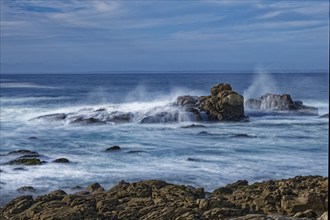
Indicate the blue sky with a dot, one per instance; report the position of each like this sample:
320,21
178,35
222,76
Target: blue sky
82,35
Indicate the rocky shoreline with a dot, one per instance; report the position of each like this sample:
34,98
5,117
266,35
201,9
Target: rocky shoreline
301,197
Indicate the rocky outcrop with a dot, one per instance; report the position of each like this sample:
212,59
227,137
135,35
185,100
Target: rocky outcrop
276,102
223,104
299,197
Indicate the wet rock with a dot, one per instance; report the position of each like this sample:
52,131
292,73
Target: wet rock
24,189
94,187
33,138
29,155
193,126
223,104
325,116
120,117
276,102
244,136
52,117
28,152
20,169
187,101
87,121
156,199
61,160
161,117
113,148
324,216
25,161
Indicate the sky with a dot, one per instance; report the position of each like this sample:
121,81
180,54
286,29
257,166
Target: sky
134,35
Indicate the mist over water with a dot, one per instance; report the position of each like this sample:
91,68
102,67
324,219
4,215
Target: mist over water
267,147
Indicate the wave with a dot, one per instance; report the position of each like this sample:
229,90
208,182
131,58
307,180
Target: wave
26,85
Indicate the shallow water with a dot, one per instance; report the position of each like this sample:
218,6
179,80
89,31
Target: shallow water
267,147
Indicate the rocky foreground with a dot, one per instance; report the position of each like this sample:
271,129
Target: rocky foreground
302,197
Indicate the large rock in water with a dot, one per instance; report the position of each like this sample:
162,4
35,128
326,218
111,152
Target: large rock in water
223,104
276,102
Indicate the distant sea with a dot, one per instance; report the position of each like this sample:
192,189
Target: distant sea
267,147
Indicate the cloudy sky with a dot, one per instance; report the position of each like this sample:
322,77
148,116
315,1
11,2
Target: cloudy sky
91,35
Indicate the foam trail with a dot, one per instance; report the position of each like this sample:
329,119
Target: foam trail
262,83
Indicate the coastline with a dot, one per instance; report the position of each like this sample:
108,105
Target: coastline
301,197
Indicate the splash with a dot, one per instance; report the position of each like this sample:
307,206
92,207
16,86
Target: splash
262,83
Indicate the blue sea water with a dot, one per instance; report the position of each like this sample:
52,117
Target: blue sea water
267,147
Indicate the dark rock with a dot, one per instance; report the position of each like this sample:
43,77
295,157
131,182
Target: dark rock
113,148
23,152
193,159
94,187
120,117
193,126
87,121
25,161
325,116
33,138
187,101
26,189
61,160
244,136
20,169
161,117
29,156
52,117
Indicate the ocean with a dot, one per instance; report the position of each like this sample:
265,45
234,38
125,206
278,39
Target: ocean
269,146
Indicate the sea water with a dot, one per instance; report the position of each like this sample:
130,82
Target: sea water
270,146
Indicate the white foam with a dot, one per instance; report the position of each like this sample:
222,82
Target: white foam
25,85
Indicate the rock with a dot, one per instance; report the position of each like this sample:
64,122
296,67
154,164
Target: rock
325,116
306,214
223,104
94,187
87,121
156,199
113,148
161,117
52,117
276,102
187,101
25,161
324,216
24,189
20,168
26,152
33,138
244,136
193,126
61,160
120,117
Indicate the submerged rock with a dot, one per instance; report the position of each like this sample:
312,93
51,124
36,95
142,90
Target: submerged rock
276,102
113,148
52,117
325,116
193,126
25,161
24,189
61,160
24,152
302,197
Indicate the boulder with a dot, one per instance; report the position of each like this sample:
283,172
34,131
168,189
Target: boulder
222,105
24,189
61,160
276,102
113,148
52,117
299,197
25,161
